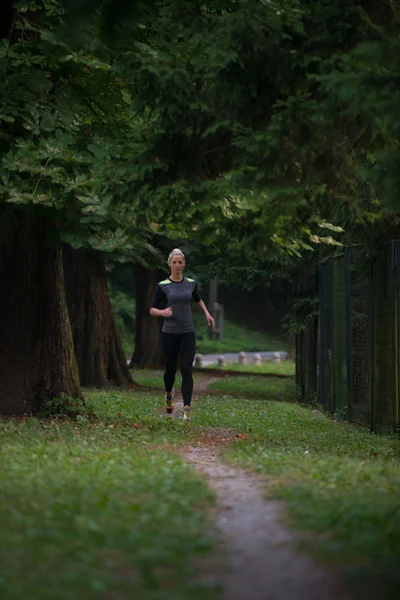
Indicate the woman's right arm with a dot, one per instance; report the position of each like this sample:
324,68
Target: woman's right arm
156,312
159,299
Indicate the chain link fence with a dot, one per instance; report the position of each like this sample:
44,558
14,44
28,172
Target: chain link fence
348,356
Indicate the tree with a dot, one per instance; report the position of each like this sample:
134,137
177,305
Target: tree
47,165
37,357
245,88
207,101
37,360
97,343
366,87
148,340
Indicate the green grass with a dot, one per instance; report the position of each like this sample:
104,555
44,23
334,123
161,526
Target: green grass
258,388
101,510
337,480
286,367
270,388
236,338
154,378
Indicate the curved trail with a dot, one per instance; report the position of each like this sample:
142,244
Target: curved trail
262,562
260,559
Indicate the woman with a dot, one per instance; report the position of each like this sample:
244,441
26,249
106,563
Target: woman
171,301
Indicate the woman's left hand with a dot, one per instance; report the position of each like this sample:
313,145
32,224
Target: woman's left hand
210,320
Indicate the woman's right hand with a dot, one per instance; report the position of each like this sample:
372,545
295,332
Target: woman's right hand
167,312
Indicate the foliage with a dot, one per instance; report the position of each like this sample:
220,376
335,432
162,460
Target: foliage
211,124
303,310
215,130
264,136
124,310
53,105
366,86
71,144
64,405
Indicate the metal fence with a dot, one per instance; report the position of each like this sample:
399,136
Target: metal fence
348,357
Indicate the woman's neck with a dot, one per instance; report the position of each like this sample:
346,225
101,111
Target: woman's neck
176,277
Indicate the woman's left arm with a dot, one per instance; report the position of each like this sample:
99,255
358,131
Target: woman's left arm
209,318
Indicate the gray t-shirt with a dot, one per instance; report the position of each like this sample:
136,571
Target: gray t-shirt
178,296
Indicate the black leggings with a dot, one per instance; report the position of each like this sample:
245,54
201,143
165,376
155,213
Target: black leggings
182,345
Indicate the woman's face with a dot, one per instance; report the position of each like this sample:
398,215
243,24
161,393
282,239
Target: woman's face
176,263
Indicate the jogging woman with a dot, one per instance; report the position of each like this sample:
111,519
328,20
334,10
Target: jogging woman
171,300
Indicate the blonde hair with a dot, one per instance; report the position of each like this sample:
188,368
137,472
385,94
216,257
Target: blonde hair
175,251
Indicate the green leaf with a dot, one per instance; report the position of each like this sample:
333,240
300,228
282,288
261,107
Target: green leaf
47,122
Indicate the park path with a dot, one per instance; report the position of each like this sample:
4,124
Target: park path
259,557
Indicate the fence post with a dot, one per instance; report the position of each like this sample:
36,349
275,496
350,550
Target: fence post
198,360
257,359
312,347
321,390
348,335
300,361
371,349
396,335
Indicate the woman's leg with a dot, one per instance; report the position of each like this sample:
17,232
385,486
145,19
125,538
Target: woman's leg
187,349
171,349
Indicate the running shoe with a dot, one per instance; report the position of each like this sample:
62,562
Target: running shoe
186,413
169,404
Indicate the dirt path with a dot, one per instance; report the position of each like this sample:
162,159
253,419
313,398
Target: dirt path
200,389
262,562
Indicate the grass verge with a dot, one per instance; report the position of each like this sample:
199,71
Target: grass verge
248,386
337,480
100,509
286,367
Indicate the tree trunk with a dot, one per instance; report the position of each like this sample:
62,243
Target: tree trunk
97,343
292,346
148,350
37,361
